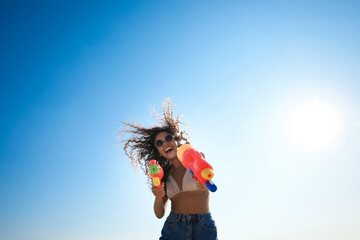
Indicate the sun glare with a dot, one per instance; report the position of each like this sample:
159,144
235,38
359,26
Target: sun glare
314,124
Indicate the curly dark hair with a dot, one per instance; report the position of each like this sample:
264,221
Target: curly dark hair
140,146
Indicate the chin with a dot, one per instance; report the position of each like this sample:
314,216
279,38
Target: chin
172,155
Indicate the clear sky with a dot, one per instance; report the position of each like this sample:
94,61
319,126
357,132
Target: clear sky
271,90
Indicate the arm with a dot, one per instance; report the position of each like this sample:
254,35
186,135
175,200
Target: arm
160,202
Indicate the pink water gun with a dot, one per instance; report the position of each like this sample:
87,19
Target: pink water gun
193,161
156,173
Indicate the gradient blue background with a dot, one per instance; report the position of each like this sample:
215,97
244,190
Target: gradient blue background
70,71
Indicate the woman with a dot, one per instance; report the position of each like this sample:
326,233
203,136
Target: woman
190,216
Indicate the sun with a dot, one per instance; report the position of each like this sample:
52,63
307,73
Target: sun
314,124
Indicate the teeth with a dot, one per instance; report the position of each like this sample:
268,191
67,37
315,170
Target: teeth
168,149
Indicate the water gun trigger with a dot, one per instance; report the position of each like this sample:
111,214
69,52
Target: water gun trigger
191,171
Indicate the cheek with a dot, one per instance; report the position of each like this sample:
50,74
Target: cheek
159,152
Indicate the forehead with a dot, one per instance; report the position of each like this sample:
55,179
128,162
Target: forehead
161,135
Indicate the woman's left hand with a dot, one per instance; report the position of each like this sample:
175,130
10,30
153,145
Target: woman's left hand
199,185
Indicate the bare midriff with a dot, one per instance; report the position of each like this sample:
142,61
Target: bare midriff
191,202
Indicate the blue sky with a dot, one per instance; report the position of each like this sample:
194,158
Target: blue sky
236,70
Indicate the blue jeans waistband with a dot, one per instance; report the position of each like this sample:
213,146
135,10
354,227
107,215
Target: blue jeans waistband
190,217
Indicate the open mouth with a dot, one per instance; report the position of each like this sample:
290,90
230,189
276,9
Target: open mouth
169,149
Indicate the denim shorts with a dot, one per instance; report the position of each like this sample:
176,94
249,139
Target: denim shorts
189,227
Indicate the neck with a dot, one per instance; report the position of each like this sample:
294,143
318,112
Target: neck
176,162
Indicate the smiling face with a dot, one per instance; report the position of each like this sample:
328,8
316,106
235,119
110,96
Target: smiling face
168,149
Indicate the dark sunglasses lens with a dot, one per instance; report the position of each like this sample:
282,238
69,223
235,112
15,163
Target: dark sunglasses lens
158,143
168,138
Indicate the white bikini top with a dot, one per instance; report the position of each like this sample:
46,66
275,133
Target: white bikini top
188,184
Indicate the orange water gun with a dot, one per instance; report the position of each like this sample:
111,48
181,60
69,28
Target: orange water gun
156,173
193,161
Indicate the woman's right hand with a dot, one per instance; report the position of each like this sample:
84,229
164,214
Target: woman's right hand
158,192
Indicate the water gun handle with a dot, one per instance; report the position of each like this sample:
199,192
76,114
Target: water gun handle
158,187
156,173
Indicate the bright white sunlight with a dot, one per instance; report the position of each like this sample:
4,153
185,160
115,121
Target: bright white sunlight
314,124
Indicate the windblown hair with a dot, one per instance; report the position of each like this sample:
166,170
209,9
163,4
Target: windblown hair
140,146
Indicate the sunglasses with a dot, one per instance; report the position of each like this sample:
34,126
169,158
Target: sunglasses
167,139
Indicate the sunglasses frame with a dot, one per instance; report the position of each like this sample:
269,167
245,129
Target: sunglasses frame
164,141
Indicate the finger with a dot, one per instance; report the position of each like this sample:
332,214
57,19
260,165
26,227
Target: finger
159,191
160,194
